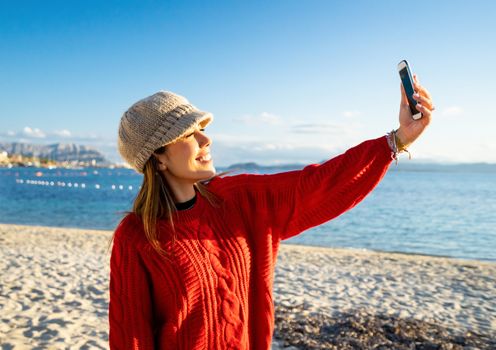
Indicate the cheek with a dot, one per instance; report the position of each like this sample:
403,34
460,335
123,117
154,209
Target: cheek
183,156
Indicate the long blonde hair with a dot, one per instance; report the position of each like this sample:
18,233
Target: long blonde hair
155,201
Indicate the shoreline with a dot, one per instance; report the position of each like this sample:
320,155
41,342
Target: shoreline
54,290
393,253
303,246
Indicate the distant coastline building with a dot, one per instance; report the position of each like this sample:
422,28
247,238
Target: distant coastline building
65,155
4,157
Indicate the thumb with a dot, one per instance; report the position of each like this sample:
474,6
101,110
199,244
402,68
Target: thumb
404,99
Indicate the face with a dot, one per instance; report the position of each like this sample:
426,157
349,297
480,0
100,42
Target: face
188,159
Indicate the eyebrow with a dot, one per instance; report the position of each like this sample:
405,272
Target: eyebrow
199,127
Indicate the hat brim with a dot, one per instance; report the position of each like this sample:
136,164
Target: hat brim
190,121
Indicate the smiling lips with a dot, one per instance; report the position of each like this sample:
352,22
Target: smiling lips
205,158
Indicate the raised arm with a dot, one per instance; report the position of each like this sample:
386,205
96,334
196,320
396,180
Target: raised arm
290,202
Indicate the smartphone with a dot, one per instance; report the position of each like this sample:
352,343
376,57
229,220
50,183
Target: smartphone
407,81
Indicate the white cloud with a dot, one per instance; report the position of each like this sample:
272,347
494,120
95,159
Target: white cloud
263,118
33,133
232,138
452,111
62,133
36,135
261,147
339,129
351,114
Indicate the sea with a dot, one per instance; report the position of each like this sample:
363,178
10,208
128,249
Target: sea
436,210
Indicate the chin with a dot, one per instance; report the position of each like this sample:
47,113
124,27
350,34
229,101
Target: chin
207,173
213,171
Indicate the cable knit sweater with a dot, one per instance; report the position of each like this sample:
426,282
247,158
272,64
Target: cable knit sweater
217,291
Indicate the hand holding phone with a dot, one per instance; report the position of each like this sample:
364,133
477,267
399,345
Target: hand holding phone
407,81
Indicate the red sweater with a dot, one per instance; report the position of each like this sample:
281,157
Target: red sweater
217,292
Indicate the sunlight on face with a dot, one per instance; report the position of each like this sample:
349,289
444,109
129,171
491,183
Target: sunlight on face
188,159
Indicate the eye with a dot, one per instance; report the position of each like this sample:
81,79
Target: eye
194,133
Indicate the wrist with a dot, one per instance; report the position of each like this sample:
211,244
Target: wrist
402,142
396,144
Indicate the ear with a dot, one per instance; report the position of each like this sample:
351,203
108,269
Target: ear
160,165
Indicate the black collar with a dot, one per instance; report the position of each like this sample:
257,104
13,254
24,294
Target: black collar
188,204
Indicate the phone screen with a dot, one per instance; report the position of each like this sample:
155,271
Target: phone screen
408,85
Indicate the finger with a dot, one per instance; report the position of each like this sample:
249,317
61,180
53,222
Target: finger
404,99
423,91
424,100
418,87
424,95
426,112
416,82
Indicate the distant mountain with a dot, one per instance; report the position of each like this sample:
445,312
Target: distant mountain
264,168
59,152
406,165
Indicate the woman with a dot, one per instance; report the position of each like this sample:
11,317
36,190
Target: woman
192,265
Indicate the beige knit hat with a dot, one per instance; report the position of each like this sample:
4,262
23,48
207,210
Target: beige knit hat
153,122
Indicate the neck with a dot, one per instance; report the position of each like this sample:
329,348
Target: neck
182,189
184,194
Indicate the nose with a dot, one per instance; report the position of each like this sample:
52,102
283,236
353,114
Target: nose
204,140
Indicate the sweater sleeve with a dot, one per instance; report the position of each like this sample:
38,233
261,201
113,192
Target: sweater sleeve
294,201
130,307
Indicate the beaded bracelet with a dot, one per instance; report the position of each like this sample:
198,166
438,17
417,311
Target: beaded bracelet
396,146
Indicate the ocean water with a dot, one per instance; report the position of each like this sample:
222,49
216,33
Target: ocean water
431,212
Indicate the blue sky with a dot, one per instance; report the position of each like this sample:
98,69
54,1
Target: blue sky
287,81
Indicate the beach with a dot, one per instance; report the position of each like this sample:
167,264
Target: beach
54,293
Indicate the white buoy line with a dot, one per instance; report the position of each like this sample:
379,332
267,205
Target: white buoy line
71,184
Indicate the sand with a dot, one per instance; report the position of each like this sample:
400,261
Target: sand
54,287
450,292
